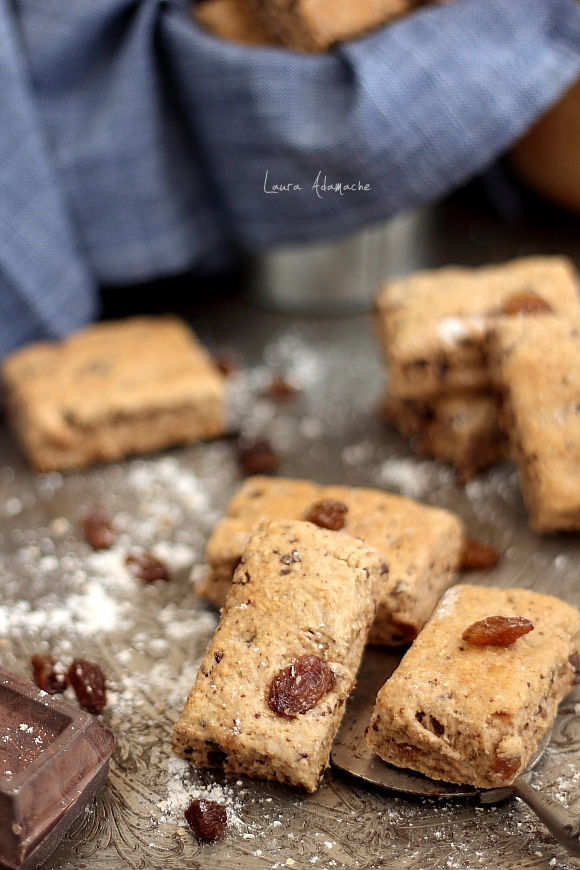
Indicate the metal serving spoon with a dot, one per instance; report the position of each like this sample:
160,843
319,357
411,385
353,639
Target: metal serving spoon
351,755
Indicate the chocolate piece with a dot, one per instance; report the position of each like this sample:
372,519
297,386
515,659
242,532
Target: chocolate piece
54,759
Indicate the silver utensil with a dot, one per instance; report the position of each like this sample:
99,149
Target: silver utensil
350,754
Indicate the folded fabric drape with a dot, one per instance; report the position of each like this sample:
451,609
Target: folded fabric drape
134,145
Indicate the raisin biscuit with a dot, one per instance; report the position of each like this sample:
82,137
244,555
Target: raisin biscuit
232,20
315,25
270,692
475,714
110,390
463,430
432,326
535,364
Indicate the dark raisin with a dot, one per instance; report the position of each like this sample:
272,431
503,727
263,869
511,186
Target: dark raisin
98,529
526,302
300,686
328,514
383,569
206,819
478,557
218,656
88,681
226,363
436,726
507,768
497,630
257,457
147,567
279,388
46,676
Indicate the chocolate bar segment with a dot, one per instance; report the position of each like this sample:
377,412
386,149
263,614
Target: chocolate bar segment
54,759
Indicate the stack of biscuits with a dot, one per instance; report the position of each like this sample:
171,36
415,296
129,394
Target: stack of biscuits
435,328
306,581
305,576
299,25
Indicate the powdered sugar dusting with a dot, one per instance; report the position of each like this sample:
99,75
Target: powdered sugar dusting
413,478
448,602
453,329
181,790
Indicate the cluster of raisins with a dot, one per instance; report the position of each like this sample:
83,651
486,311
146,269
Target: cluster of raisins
86,678
100,534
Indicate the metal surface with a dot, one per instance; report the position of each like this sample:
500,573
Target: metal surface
149,640
350,753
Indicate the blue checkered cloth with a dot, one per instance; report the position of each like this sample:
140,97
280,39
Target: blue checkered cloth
133,145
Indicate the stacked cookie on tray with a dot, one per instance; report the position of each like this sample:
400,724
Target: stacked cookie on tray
306,575
434,329
305,581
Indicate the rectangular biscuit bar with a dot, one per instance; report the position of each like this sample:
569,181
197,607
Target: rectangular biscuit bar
535,364
421,546
472,714
463,430
110,390
232,20
298,592
315,25
432,326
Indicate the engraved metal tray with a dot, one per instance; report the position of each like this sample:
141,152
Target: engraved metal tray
55,593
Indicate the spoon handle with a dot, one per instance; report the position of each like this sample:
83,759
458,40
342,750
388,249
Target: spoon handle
557,818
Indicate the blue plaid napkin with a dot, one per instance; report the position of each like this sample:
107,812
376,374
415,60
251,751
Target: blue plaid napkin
134,145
